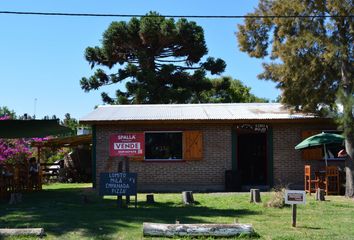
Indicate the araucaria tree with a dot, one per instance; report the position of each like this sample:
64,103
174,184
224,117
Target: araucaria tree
311,57
228,90
160,61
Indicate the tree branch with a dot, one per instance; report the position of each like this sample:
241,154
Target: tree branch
182,60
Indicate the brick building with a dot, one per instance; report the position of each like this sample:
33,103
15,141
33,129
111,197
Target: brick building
209,147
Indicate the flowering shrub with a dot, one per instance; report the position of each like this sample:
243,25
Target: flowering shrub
14,150
6,117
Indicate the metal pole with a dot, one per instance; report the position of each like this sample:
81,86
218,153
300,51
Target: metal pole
35,108
325,150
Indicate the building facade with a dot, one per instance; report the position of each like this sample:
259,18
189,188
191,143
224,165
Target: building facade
209,147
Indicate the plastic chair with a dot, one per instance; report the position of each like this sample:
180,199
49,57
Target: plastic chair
331,181
310,184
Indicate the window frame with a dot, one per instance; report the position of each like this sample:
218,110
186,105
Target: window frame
164,159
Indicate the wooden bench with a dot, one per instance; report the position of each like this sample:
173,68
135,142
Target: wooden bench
47,172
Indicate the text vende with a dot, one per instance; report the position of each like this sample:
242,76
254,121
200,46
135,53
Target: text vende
126,146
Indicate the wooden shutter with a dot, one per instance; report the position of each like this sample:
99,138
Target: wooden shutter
192,145
311,154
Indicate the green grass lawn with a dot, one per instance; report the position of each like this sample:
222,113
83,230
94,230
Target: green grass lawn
60,210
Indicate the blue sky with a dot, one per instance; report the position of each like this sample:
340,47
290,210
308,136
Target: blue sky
42,57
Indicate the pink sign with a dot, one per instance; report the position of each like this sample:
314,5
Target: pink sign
126,144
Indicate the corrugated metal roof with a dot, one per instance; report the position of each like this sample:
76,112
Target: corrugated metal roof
222,111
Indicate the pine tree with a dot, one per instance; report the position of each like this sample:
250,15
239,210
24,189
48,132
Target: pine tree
159,61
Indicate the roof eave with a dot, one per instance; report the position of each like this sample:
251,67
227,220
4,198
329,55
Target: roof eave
209,121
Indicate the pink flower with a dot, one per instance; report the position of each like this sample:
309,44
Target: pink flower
5,117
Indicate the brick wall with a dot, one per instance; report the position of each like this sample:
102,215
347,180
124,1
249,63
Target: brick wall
206,174
209,173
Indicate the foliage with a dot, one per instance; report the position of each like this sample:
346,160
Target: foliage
6,113
71,123
311,58
342,118
160,61
60,154
228,90
48,118
277,200
306,53
61,210
14,150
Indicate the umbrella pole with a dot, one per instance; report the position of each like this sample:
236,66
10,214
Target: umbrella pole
325,150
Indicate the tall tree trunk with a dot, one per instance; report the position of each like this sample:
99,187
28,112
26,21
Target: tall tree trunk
348,130
349,169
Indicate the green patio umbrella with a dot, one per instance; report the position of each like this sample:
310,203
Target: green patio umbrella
321,139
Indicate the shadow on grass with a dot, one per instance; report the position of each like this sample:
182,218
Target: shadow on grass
311,228
64,210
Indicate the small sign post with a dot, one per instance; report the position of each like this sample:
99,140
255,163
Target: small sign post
295,197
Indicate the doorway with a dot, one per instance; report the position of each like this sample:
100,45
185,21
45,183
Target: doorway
252,158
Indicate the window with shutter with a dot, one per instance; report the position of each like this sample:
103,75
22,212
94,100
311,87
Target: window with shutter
192,145
311,154
163,146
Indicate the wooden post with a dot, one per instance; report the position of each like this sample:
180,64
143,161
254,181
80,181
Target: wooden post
255,196
40,173
39,154
320,194
195,230
136,201
126,162
16,178
120,198
294,214
150,198
21,231
15,198
187,197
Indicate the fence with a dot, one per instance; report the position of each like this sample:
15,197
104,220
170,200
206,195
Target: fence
17,177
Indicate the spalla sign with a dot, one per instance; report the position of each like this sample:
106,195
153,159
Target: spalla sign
126,144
